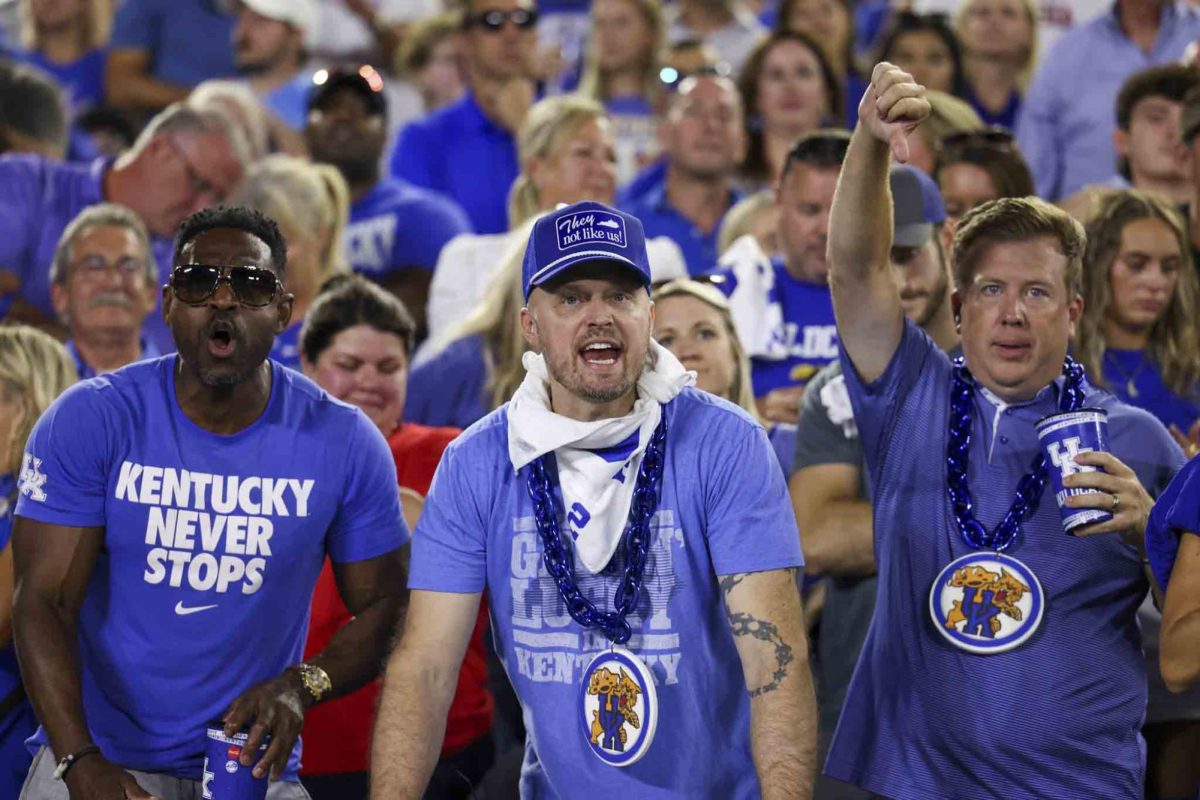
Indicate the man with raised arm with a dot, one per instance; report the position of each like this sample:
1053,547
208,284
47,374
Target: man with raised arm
1004,658
666,657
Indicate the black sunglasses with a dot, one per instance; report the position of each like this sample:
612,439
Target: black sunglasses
252,286
492,21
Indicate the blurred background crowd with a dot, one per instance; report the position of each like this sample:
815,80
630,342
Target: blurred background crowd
414,142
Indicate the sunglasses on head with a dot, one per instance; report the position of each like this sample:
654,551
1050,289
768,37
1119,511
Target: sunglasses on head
996,137
252,286
492,21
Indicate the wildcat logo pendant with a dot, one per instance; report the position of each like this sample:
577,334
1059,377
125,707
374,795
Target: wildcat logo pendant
618,707
986,602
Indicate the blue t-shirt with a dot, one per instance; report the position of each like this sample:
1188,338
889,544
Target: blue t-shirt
188,41
1005,118
450,389
289,101
1059,715
724,509
1149,391
1176,511
400,226
808,333
39,198
84,370
82,79
212,545
459,152
286,349
660,218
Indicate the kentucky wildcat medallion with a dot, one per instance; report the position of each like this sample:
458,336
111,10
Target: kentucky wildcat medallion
618,706
986,603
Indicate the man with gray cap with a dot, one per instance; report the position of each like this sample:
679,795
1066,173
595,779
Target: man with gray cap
268,49
638,551
829,487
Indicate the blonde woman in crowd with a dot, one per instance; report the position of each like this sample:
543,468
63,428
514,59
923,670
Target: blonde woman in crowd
999,42
692,319
34,369
309,202
621,71
567,154
428,60
756,215
68,40
948,116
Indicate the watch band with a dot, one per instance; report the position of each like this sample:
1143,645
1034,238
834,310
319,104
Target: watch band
315,680
68,761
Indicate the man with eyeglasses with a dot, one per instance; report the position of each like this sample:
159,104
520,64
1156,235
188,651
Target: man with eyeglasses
104,283
467,150
184,160
172,520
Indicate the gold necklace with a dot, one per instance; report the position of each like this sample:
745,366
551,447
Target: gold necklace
1130,388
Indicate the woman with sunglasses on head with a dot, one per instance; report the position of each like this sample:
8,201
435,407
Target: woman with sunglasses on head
310,203
788,89
355,345
999,41
974,167
621,71
34,369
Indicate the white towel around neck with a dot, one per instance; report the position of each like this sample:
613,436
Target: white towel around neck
596,491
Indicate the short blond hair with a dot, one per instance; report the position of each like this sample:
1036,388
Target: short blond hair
1017,219
34,369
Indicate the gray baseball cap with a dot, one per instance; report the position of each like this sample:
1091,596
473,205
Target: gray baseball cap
916,206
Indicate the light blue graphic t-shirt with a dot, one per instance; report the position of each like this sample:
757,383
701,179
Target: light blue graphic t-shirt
212,544
724,509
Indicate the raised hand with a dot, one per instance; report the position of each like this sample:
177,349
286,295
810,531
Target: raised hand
893,105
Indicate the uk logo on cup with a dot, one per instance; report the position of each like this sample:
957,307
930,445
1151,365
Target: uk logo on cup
590,227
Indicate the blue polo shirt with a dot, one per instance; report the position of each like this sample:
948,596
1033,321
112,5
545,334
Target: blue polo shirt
189,41
39,198
400,226
1058,716
82,79
660,218
459,152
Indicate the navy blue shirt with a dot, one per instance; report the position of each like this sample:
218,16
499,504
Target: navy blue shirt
451,388
1125,367
189,41
459,152
660,218
1058,716
1006,118
400,226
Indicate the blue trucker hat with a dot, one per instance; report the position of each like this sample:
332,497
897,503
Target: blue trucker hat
581,233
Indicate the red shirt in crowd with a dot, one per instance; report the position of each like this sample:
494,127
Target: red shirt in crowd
337,734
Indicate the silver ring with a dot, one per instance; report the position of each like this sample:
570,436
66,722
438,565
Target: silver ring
1116,503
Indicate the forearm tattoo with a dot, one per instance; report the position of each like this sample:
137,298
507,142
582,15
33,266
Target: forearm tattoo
743,624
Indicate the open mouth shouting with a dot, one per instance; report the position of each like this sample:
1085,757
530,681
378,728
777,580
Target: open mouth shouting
601,353
222,338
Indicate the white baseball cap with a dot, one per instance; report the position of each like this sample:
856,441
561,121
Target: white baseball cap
300,13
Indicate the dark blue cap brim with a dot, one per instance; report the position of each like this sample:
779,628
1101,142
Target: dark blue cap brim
549,273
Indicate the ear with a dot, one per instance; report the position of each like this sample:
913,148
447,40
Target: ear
168,302
529,330
535,168
1074,312
956,309
58,298
1121,142
284,312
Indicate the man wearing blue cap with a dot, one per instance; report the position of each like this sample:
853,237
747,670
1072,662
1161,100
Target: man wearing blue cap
1004,657
638,550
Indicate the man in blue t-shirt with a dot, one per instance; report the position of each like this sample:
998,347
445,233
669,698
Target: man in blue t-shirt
268,43
791,308
171,524
696,682
396,230
1004,658
703,142
184,160
468,150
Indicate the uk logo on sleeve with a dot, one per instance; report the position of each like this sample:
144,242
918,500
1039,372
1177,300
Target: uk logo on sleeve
32,479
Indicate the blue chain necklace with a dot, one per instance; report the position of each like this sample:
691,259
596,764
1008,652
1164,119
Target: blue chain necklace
1031,485
561,565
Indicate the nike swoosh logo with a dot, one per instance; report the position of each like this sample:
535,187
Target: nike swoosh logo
183,610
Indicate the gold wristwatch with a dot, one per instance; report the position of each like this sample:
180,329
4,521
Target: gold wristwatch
315,680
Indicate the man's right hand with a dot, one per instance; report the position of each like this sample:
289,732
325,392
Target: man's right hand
96,778
892,107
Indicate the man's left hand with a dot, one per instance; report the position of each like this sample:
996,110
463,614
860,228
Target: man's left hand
277,709
1118,491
